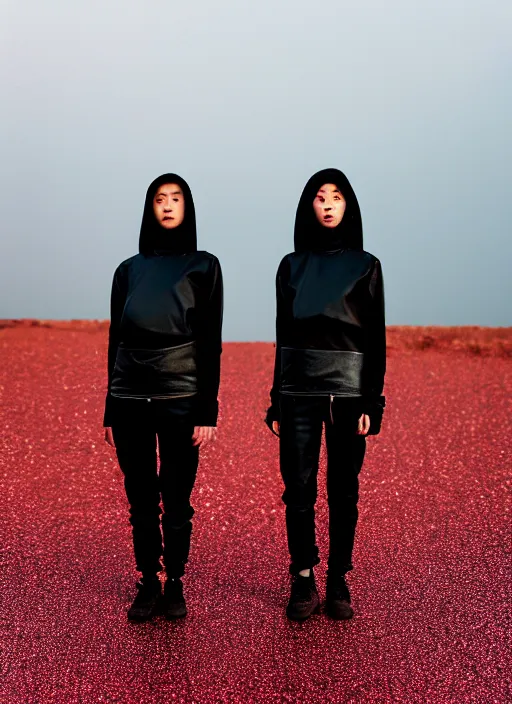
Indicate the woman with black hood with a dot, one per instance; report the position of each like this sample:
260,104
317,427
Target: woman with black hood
329,369
163,379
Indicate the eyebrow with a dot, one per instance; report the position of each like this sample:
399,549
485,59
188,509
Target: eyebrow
336,190
173,193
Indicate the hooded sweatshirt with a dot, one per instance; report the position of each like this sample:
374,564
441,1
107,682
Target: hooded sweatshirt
330,327
166,316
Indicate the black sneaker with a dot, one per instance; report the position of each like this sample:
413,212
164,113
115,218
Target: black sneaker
146,603
304,599
173,602
337,604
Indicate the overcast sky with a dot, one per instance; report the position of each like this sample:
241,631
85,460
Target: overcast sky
245,100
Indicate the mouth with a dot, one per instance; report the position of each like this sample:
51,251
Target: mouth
167,217
327,218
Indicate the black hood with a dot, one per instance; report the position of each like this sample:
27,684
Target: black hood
155,238
312,235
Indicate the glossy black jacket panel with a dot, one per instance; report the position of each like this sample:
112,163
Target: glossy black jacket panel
163,301
332,300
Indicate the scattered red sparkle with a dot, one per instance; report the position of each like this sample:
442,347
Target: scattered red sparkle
431,585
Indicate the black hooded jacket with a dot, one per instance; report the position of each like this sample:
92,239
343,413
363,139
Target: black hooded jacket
166,316
330,327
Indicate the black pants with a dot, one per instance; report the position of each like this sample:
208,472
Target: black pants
136,425
300,432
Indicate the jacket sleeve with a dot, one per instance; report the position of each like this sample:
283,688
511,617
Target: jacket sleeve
209,349
375,352
273,412
117,301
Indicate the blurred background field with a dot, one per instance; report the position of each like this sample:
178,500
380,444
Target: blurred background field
469,339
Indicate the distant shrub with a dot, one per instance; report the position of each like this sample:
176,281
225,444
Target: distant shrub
425,342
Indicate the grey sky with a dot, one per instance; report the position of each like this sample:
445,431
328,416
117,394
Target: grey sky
246,100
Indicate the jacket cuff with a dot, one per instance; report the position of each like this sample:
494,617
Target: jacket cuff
273,414
207,412
374,408
108,416
371,401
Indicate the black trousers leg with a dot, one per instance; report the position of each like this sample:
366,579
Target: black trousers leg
178,469
300,436
135,441
345,455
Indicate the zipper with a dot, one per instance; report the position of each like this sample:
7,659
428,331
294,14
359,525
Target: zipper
331,399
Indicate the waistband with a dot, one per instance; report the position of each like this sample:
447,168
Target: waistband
321,372
160,373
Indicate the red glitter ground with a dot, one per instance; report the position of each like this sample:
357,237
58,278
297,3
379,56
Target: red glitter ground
431,586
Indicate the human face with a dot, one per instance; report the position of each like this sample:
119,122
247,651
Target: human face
329,205
169,205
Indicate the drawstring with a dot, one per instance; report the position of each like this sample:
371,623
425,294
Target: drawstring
331,399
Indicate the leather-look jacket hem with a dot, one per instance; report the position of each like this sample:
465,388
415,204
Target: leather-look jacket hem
155,373
318,372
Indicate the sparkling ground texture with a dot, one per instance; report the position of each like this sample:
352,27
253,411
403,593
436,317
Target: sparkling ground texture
431,584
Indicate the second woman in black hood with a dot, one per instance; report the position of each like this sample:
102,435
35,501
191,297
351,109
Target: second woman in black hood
163,378
329,370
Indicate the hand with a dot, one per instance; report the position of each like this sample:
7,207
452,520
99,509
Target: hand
275,426
203,433
109,438
363,424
